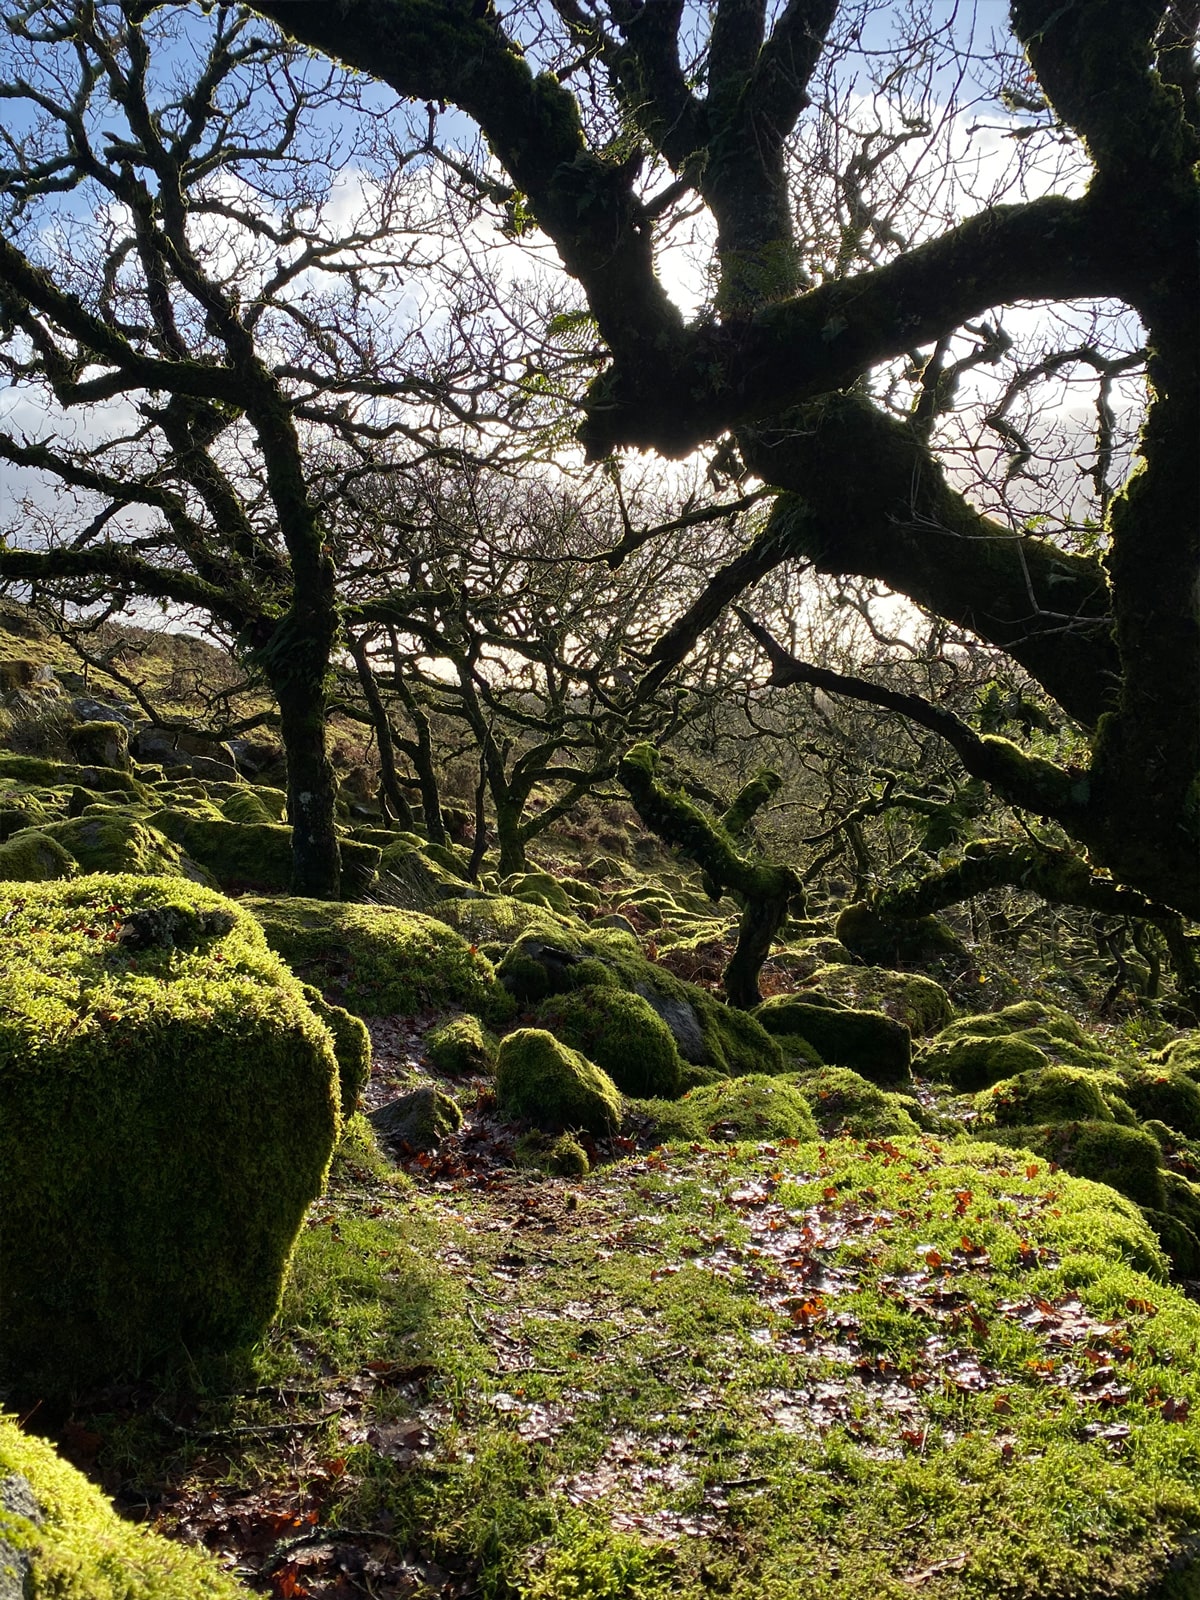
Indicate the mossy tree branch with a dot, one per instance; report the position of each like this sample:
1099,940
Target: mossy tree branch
764,890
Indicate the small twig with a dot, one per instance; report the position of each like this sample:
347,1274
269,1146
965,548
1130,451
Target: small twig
266,1430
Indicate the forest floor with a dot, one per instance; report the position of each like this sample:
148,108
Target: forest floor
850,1369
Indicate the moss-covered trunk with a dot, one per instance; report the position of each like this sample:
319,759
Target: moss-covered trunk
312,785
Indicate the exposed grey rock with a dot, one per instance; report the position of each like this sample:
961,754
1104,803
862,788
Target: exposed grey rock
16,1566
683,1022
88,709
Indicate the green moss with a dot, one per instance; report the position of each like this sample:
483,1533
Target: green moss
1183,1056
102,744
883,940
1049,1094
247,855
1017,1018
351,1045
553,1086
246,804
1128,1159
34,857
561,1154
867,1041
116,841
621,1033
61,774
417,881
1169,1097
168,1115
969,1063
60,1539
843,1102
922,1005
756,1106
499,919
419,1120
461,1045
375,960
542,888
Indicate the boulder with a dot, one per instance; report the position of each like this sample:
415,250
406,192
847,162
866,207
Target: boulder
375,960
88,709
243,855
417,1121
460,1046
756,1106
622,1033
974,1063
882,940
843,1102
922,1005
167,1113
111,839
33,857
553,1086
101,744
1048,1094
867,1041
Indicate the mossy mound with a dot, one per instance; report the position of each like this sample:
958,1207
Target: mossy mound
351,1045
460,1046
552,1086
621,1033
248,855
844,1102
101,744
417,1121
34,857
1128,1159
756,1106
866,1041
1165,1096
168,1113
112,840
65,775
922,1005
499,920
60,1539
969,1063
247,804
1183,1055
540,888
1049,1094
415,879
561,1155
374,960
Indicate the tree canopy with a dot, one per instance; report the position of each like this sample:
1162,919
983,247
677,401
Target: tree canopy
608,119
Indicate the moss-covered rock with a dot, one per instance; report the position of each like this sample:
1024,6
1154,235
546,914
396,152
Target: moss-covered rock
100,744
561,1155
60,1539
107,839
1128,1159
248,855
845,1102
168,1113
416,881
461,1045
1182,1055
351,1045
65,775
922,1005
1049,1094
375,960
1166,1096
756,1106
246,804
621,1033
417,1121
542,888
970,1063
34,857
867,1041
553,1086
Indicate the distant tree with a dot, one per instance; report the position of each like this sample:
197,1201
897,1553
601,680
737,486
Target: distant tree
859,292
195,234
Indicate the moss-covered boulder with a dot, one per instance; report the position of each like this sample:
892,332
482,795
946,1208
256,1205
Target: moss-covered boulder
922,1005
1183,1055
64,774
60,1539
461,1045
168,1106
620,1032
351,1045
757,1106
1049,1094
34,857
100,744
247,804
561,1155
108,839
498,921
866,1041
1128,1159
415,879
417,1121
375,960
969,1063
248,855
844,1102
1165,1096
541,888
554,1087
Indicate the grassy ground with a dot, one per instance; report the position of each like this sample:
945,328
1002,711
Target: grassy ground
838,1371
